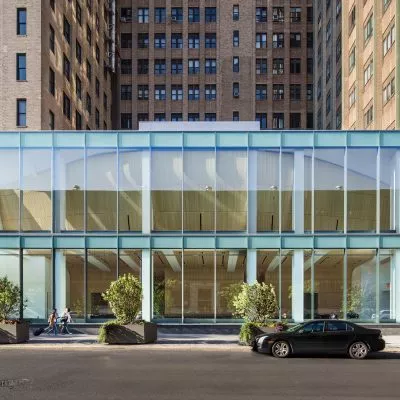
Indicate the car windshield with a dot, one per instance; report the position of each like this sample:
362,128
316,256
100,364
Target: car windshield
295,328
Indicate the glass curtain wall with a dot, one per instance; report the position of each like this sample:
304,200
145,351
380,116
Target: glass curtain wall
286,284
9,190
386,291
308,181
287,188
9,267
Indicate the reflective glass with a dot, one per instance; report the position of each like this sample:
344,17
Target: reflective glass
130,262
287,187
286,284
387,301
9,267
307,195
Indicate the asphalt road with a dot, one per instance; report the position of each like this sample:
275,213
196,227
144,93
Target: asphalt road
175,374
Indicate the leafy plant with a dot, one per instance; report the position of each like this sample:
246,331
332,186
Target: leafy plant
229,293
10,299
103,330
125,298
248,331
162,296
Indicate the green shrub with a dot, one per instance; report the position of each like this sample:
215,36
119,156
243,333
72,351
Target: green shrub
10,299
104,328
248,331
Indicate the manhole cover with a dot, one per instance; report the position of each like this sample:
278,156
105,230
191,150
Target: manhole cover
10,383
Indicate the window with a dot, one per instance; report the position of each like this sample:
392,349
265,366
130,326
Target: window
126,66
328,69
295,65
21,21
52,39
78,13
389,91
295,92
235,12
194,92
143,92
194,14
53,4
310,40
126,92
261,66
126,40
88,71
389,39
336,326
66,106
78,87
369,116
235,116
235,89
210,92
89,35
67,30
143,15
193,117
261,40
21,67
52,82
78,121
319,88
278,14
278,121
159,40
352,96
143,66
211,14
125,14
368,29
143,40
159,117
51,120
105,101
211,66
261,14
126,120
210,40
235,40
278,66
328,32
262,119
278,92
89,5
67,68
193,66
338,47
339,83
295,14
88,104
176,41
352,19
310,15
78,52
310,66
352,59
368,72
176,66
295,40
295,120
160,92
278,40
210,117
176,92
261,92
97,118
159,67
177,14
194,41
159,15
21,112
176,117
310,92
97,54
235,64
386,4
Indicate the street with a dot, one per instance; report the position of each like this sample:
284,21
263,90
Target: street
179,373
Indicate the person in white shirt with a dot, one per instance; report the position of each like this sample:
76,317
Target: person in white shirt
65,320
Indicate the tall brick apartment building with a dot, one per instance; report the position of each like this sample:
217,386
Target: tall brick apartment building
206,60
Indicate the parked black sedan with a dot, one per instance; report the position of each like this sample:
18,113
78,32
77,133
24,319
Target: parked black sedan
321,337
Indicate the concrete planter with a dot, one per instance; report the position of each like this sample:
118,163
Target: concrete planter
14,333
131,333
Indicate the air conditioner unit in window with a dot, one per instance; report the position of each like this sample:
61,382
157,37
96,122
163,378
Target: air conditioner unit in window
236,93
174,18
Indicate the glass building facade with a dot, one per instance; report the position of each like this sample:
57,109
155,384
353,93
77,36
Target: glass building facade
192,214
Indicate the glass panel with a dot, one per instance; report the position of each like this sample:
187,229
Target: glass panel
307,189
361,189
199,289
166,190
387,268
267,186
69,186
388,192
286,284
70,282
101,190
268,270
361,284
36,185
287,190
309,302
328,282
37,284
130,262
101,271
9,190
9,267
230,271
328,190
231,190
199,190
130,189
167,284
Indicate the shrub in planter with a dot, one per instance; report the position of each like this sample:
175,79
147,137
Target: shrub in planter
11,330
125,298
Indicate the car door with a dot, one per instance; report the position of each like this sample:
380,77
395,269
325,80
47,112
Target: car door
310,338
337,336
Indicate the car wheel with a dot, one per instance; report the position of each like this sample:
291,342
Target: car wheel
280,349
358,350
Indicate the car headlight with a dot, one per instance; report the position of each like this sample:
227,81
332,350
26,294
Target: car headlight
261,339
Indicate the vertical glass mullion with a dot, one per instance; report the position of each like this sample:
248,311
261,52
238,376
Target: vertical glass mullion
85,281
345,193
377,285
312,285
215,286
312,195
21,282
345,285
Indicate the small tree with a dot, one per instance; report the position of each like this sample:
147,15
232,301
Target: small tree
256,303
125,298
10,299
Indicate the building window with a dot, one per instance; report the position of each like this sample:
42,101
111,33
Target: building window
125,14
159,67
175,117
295,14
176,41
210,117
143,40
126,40
310,40
21,112
339,83
52,82
295,65
369,116
310,92
278,92
160,15
66,106
176,92
193,117
194,41
51,120
328,69
210,40
310,15
352,19
328,31
78,87
235,64
352,59
295,40
261,66
53,4
67,68
278,40
21,67
88,104
159,117
295,120
176,66
389,91
143,66
21,21
261,92
352,96
78,12
319,88
159,41
126,66
78,52
193,66
194,14
261,14
97,118
310,66
211,14
278,121
143,92
235,116
278,66
278,14
97,54
89,5
88,35
126,120
78,121
295,92
89,71
235,40
368,72
261,40
143,15
105,101
52,44
160,92
194,92
310,121
262,119
210,92
328,103
235,12
177,14
126,92
368,29
235,89
386,4
389,39
67,30
210,66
